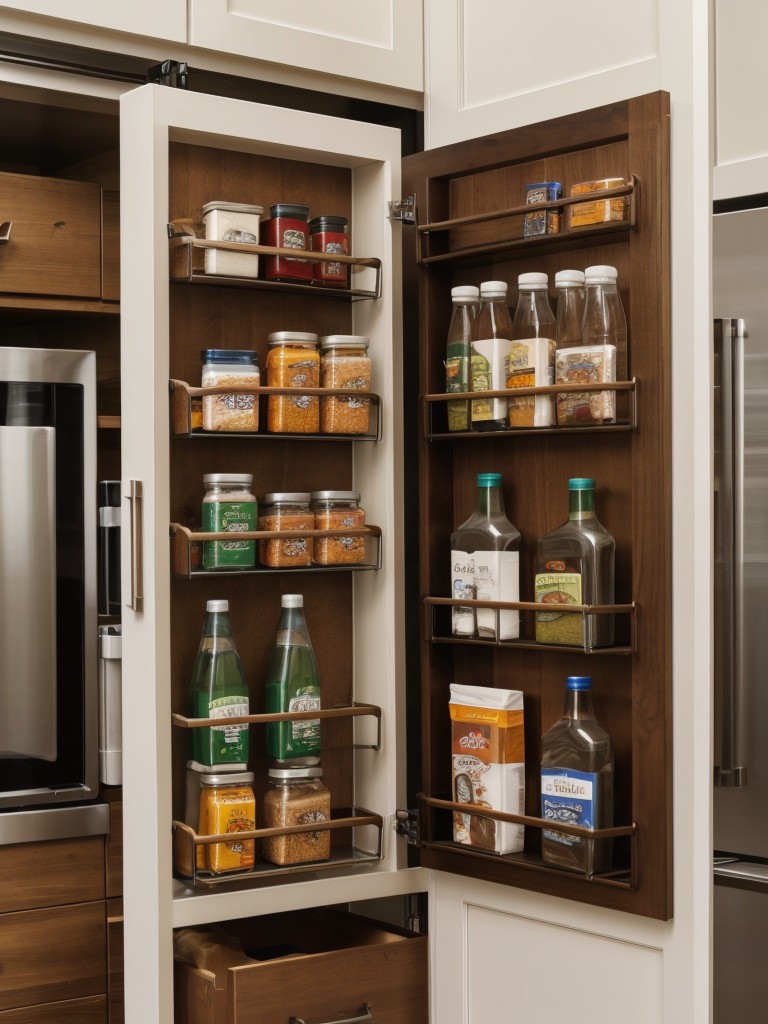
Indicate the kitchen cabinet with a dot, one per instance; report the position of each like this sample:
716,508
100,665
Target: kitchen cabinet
159,21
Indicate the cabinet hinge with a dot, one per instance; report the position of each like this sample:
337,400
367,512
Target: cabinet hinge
172,73
403,210
406,824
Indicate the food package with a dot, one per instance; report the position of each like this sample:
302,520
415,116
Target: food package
588,364
542,222
597,211
530,364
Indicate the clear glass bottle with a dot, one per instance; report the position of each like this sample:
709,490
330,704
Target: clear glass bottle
577,783
464,299
292,684
218,689
531,358
569,287
604,337
491,342
575,565
485,565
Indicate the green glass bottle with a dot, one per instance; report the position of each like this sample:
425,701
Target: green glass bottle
292,684
218,689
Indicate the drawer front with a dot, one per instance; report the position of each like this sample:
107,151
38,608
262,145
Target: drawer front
51,874
55,243
54,954
92,1010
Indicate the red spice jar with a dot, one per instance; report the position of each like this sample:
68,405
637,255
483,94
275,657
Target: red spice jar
329,234
286,228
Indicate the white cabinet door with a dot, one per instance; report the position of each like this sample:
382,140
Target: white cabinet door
378,41
166,20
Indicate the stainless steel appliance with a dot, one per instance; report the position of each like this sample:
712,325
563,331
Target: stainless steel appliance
48,617
740,240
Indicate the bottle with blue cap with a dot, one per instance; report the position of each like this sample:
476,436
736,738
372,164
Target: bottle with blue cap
577,784
485,566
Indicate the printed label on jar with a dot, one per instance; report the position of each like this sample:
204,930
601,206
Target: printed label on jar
294,239
229,517
307,818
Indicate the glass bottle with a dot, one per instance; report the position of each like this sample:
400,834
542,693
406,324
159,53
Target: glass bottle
575,565
218,690
577,783
491,342
569,286
293,684
531,359
604,334
457,353
485,565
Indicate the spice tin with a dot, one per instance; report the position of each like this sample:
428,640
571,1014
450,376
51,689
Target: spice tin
229,507
333,511
296,796
231,222
227,804
293,361
597,211
345,363
329,234
287,228
230,367
542,222
286,510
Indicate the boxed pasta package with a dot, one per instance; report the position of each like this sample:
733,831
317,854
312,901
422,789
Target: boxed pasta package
488,764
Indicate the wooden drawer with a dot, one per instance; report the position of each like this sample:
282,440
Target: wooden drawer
315,965
92,1010
55,243
49,874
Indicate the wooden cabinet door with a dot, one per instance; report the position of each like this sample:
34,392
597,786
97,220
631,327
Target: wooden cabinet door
91,1010
36,875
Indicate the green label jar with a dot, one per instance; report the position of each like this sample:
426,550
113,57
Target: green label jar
229,507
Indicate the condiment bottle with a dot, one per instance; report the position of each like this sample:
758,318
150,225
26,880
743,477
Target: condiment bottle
287,228
485,566
292,684
569,286
218,690
232,411
329,234
577,783
575,565
228,507
604,335
334,510
531,358
293,361
465,300
286,510
296,796
227,804
491,342
345,364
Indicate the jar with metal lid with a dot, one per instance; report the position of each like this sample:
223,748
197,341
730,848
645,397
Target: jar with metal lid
287,228
296,796
293,361
229,507
227,804
286,510
345,364
232,222
329,234
230,368
333,511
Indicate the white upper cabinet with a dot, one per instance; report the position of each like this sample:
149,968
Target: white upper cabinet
166,20
379,41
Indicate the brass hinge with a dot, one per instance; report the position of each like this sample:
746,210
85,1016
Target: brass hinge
403,210
172,73
407,824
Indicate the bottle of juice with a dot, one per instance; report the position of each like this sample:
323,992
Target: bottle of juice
464,299
292,684
577,783
218,690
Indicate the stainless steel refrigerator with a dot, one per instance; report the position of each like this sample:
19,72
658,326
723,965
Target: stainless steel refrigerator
740,268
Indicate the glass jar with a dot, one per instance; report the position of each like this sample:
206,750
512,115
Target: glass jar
287,228
329,234
333,511
345,364
227,804
296,796
293,361
286,510
231,222
229,507
230,368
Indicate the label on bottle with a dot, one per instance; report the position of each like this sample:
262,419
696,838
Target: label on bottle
457,379
557,589
485,576
480,373
530,364
568,797
229,707
494,351
307,730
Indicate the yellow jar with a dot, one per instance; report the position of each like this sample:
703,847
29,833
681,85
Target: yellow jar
227,804
293,361
344,363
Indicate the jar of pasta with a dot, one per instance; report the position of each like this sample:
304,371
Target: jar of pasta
231,411
227,804
286,510
293,361
296,796
345,364
335,510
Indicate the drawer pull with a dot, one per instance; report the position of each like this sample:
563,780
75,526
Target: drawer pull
364,1013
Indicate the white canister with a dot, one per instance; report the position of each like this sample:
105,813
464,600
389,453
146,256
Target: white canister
231,222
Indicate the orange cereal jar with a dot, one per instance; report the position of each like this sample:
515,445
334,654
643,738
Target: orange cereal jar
335,510
286,510
345,363
293,361
227,804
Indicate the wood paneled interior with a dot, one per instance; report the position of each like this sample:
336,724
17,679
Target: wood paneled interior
110,245
91,1010
114,843
34,875
632,471
115,962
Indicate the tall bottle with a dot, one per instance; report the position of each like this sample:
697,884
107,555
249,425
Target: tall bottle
457,355
569,288
577,783
491,342
293,684
218,690
575,565
531,359
604,334
485,565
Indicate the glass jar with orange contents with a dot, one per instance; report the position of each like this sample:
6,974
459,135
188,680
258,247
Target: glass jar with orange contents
345,365
227,804
335,510
293,361
286,510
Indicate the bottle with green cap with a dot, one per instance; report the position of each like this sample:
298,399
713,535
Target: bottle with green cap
485,566
575,565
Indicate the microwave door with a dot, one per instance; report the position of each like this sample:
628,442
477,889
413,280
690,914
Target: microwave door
28,592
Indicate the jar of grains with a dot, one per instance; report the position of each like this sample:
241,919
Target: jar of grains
333,511
293,361
227,804
286,510
225,367
329,234
287,228
345,364
229,507
296,796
